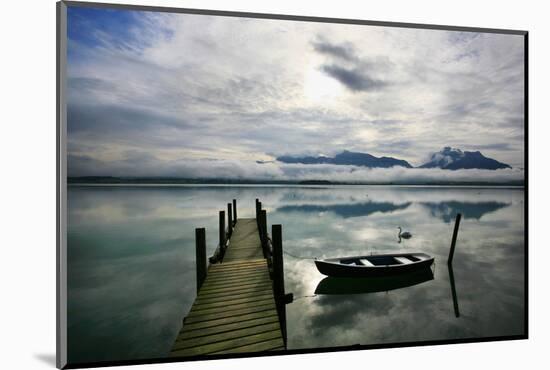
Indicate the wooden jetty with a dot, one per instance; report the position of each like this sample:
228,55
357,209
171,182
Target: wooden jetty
240,303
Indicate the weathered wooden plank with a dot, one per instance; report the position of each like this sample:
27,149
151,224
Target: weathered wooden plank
270,345
246,232
225,264
236,272
228,320
239,295
243,255
237,276
237,265
250,246
187,333
261,285
244,244
258,308
246,277
217,284
243,286
232,301
231,283
203,311
232,295
238,269
240,239
228,335
229,344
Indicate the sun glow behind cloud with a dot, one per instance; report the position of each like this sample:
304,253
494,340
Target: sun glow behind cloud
319,88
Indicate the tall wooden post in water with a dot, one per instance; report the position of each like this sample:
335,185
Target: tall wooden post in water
229,220
278,275
234,211
222,232
262,223
200,250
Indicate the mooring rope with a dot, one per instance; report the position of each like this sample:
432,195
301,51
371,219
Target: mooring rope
304,296
299,257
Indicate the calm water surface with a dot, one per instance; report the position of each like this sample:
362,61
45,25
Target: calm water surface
131,270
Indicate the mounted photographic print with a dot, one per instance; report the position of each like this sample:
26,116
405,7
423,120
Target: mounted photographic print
236,184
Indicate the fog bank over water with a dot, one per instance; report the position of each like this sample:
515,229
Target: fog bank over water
277,171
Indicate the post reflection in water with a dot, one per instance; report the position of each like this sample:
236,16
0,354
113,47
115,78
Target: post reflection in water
453,290
123,241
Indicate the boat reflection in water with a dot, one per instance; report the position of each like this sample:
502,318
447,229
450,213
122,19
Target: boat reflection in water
343,285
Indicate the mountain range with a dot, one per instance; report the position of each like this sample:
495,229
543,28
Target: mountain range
448,158
455,159
348,158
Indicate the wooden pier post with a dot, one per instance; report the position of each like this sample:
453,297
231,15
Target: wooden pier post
200,250
278,275
258,209
234,211
229,220
453,242
222,232
262,221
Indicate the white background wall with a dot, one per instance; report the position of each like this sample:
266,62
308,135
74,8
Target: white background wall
27,119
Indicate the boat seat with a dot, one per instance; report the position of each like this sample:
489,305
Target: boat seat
403,260
365,262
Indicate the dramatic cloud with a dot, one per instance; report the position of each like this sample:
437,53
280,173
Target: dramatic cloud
180,89
354,80
344,52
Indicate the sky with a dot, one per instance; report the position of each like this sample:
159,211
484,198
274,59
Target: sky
162,94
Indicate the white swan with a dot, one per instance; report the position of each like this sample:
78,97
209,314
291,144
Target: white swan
403,234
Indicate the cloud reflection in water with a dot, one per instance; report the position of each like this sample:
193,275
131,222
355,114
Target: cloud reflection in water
132,273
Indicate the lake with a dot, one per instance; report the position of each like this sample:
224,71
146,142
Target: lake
131,263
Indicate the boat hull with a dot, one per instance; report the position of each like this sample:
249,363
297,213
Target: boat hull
336,269
342,285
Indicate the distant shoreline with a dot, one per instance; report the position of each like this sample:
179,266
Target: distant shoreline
119,181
